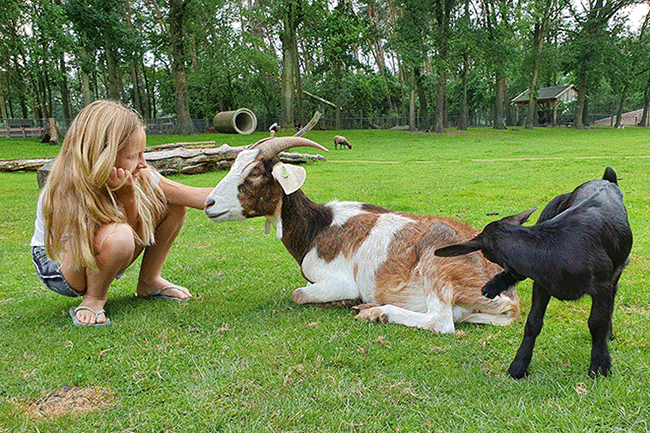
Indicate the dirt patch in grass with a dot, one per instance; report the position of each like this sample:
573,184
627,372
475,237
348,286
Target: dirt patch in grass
68,400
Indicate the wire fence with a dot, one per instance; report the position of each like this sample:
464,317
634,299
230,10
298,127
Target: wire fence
15,128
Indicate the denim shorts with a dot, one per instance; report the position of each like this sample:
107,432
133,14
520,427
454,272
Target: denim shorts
49,272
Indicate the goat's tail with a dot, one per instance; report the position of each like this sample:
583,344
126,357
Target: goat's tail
610,175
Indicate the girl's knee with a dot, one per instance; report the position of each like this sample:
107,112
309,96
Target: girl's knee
115,241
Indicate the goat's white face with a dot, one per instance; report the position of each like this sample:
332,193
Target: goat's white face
223,202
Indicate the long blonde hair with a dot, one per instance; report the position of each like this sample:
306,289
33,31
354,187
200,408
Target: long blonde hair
77,200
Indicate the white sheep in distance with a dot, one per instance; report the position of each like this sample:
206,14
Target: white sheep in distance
352,252
341,141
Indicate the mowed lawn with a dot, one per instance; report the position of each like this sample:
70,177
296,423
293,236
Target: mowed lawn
241,357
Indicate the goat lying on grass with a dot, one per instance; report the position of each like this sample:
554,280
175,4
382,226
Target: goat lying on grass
579,246
354,252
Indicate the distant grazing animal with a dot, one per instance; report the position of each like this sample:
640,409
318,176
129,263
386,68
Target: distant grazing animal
339,140
352,252
579,246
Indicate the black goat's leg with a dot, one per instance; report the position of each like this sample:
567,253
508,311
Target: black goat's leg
600,326
534,324
500,283
617,276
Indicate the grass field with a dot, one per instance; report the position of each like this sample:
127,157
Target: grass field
241,357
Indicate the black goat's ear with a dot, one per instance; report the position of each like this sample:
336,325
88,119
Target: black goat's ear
458,249
521,217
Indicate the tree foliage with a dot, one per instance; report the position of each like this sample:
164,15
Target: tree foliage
370,58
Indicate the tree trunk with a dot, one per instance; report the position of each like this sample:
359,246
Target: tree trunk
441,96
112,77
578,118
619,111
184,125
337,109
422,96
506,103
132,60
142,79
3,109
65,90
462,122
85,80
646,104
538,41
499,121
412,125
52,132
378,53
289,50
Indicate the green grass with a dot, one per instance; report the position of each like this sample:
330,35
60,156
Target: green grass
241,357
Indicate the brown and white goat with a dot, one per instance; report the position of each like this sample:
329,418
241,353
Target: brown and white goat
351,251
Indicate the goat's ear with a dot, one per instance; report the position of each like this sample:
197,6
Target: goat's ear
521,217
291,177
458,249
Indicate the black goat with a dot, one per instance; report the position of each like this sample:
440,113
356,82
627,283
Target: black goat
579,246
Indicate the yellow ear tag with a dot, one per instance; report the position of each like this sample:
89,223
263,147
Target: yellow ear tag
284,172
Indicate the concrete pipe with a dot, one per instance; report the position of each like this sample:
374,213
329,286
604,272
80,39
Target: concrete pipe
242,121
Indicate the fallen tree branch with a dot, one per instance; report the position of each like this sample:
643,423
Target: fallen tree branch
309,125
23,164
175,158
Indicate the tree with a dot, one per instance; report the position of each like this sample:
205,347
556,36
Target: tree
177,15
99,29
375,32
339,36
462,50
587,46
500,51
442,41
291,18
543,12
412,43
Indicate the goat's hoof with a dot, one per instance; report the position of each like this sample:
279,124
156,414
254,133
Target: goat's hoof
517,372
299,297
595,371
375,315
489,293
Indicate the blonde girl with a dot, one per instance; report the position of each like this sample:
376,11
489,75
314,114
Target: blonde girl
102,206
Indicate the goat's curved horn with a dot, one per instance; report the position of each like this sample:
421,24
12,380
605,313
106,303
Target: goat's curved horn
270,147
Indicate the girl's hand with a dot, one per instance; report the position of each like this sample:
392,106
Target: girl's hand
121,182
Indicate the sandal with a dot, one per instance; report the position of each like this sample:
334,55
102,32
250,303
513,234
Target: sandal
77,322
160,294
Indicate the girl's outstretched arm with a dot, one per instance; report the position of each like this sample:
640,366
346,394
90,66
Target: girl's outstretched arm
184,195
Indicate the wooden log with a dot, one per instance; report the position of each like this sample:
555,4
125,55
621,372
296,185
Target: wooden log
201,160
188,145
174,159
23,164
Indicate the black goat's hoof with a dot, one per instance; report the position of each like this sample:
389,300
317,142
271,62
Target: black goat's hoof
516,372
595,371
491,290
489,293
